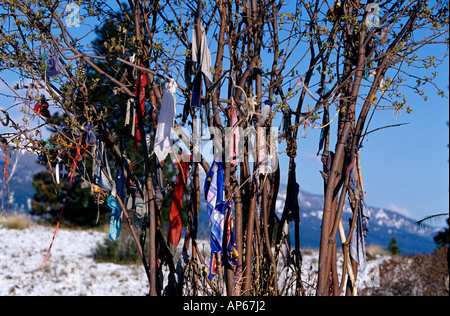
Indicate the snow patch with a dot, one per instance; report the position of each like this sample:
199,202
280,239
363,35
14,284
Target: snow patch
70,270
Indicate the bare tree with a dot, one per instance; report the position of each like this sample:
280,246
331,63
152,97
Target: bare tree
267,60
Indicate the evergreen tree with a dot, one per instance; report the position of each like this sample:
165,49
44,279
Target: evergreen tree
442,238
92,89
80,208
393,247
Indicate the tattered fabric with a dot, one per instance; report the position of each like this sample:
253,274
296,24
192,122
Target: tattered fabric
116,218
175,224
235,136
141,93
358,240
214,192
265,112
52,63
163,137
232,252
42,108
196,99
99,177
113,204
202,56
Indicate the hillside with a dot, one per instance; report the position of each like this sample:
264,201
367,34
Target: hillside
384,224
20,189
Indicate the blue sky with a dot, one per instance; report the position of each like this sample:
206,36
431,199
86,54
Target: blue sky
405,169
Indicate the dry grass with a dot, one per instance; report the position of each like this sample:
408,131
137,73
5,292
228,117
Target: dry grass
419,275
373,251
16,221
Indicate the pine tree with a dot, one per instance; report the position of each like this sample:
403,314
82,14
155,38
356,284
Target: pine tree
92,89
393,247
80,209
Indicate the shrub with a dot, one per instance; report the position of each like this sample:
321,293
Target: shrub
122,251
16,221
420,275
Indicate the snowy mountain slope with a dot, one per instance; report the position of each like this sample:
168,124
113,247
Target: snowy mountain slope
20,189
384,224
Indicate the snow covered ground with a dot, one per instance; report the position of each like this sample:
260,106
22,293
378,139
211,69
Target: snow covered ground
71,270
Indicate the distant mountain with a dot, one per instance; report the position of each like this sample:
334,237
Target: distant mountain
20,189
384,224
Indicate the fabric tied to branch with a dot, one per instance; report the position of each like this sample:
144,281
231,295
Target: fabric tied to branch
163,137
99,177
265,112
42,108
116,210
116,218
175,224
214,192
141,93
358,240
235,137
202,54
71,174
91,138
20,154
301,84
232,252
196,100
52,64
263,145
321,141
